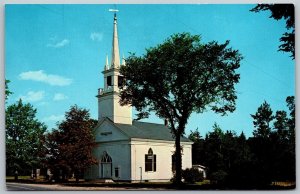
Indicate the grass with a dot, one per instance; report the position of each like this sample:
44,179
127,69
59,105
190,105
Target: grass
204,182
19,177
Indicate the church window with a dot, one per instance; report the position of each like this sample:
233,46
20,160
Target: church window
117,172
120,81
173,162
150,161
106,158
108,81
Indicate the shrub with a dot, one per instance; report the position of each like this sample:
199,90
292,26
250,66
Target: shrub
192,175
218,177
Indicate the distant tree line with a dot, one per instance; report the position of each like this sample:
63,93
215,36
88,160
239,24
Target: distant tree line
255,162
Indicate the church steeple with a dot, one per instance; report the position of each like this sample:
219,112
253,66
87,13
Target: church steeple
108,96
115,60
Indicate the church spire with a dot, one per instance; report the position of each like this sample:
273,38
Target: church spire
108,97
115,60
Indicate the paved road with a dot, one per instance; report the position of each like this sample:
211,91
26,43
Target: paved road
25,187
57,187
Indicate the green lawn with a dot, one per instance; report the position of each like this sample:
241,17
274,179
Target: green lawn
19,177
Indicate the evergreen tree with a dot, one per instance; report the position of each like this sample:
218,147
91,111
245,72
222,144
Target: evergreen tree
291,158
214,159
263,145
197,147
281,125
262,121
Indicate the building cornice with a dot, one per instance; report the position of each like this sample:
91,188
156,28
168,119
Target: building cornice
111,70
125,141
107,94
159,141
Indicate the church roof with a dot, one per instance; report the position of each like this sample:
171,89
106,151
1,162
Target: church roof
145,130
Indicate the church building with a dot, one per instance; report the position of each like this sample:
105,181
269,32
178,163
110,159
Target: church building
129,150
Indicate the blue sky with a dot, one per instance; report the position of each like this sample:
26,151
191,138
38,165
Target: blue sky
54,54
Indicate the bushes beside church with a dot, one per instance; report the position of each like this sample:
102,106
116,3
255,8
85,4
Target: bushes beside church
192,175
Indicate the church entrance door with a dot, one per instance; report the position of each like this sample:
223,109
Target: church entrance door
106,170
106,166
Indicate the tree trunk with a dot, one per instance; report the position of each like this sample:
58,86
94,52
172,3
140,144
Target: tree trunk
76,174
178,174
16,175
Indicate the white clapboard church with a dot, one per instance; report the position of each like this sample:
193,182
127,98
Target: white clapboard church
130,150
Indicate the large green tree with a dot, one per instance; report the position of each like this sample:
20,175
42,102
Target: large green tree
24,135
181,76
70,146
286,12
261,143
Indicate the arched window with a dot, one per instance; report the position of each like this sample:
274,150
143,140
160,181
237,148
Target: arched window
106,158
150,151
106,166
150,161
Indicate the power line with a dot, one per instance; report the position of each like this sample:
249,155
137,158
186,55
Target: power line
262,94
261,70
49,9
270,75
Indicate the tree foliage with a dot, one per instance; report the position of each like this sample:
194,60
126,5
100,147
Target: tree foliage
24,138
274,152
181,76
195,136
197,147
70,146
262,119
286,12
7,91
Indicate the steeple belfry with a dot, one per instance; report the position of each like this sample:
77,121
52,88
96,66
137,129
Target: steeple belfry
115,60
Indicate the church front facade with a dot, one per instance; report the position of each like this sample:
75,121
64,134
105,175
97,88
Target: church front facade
130,150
